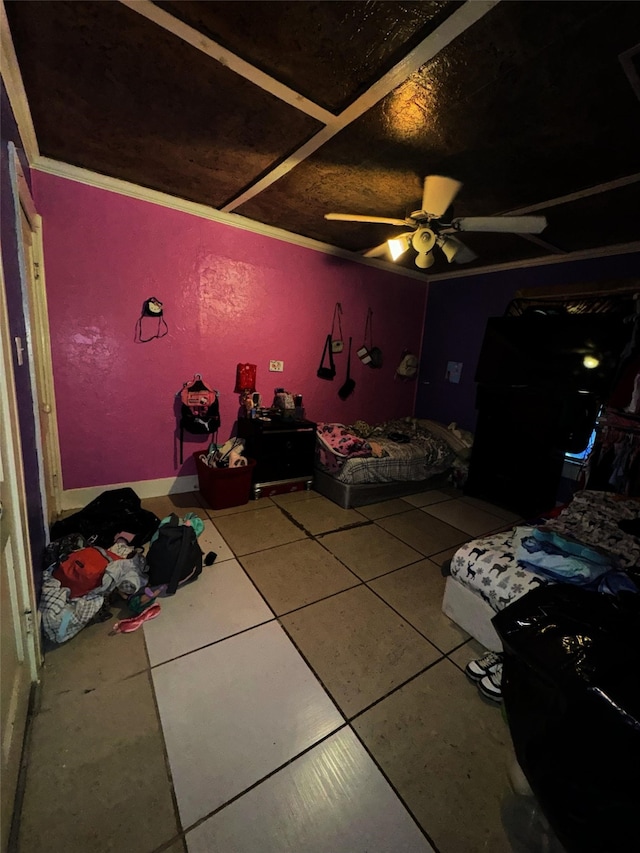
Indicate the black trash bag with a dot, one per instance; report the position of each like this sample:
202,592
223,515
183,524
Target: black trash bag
571,691
110,513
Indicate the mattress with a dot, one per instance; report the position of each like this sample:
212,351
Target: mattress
349,495
487,570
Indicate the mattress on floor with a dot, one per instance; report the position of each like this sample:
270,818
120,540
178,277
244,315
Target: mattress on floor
488,568
349,495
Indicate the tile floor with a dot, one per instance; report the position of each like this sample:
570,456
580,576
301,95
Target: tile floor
306,694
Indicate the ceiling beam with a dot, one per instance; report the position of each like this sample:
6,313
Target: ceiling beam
10,71
230,60
448,31
589,191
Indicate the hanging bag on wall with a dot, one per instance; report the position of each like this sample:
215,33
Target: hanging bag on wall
200,410
326,372
245,378
151,308
347,388
368,354
337,344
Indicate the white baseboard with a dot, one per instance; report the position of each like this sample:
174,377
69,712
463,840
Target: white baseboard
78,498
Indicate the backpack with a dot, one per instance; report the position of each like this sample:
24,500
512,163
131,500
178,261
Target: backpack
174,557
199,411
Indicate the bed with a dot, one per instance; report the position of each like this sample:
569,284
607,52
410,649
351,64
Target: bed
487,574
362,464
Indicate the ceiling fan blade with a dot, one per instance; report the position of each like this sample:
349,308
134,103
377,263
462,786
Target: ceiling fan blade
438,193
508,224
455,250
355,217
377,251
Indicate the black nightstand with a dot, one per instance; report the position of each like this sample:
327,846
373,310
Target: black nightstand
284,450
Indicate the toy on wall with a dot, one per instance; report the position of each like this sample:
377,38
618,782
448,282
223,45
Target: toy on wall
152,310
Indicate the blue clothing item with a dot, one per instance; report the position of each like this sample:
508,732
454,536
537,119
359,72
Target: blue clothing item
562,559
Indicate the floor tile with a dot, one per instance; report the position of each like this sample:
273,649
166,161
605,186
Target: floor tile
98,775
223,601
211,540
423,532
370,551
464,516
177,847
253,704
445,556
380,510
92,659
471,650
333,799
250,506
295,497
506,514
254,531
433,496
322,515
179,503
416,593
447,754
296,574
358,646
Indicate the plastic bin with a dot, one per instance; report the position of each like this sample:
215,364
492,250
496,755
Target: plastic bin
224,487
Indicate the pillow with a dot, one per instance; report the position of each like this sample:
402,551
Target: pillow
459,440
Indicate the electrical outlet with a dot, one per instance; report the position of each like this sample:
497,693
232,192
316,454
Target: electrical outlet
276,366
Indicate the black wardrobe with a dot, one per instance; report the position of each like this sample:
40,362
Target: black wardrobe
542,378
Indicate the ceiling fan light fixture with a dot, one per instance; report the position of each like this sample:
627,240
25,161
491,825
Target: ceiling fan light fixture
397,247
424,260
449,248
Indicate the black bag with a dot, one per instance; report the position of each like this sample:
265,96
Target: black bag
110,513
349,384
199,410
327,372
174,558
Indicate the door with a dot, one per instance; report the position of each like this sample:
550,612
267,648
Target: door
20,651
39,350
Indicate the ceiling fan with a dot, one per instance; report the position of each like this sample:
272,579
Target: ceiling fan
431,226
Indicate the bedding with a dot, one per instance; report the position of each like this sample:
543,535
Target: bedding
497,569
396,450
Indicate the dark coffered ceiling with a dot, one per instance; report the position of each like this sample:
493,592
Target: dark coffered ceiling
280,112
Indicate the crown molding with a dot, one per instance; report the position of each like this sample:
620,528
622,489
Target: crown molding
116,185
584,255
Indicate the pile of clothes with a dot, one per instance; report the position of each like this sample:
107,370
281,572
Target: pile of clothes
98,555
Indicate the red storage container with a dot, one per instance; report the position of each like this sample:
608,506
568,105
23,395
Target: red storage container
224,487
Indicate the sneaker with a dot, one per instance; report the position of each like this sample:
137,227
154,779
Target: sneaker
477,669
491,685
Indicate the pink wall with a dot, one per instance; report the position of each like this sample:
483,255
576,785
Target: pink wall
229,296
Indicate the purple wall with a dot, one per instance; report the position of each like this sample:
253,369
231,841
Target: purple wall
9,241
229,296
457,313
